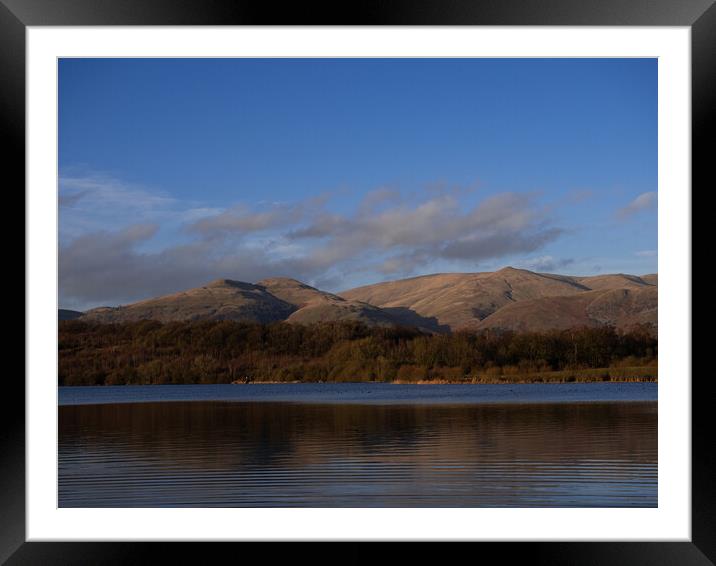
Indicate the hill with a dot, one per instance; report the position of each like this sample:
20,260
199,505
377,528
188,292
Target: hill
269,300
458,300
622,308
314,305
618,281
67,314
223,299
514,299
520,300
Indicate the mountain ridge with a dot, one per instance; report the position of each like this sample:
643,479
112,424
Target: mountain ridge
507,299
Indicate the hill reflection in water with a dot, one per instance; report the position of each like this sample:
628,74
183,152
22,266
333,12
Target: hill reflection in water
209,454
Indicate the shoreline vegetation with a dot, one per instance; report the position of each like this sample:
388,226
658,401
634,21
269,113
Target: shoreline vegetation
646,374
150,352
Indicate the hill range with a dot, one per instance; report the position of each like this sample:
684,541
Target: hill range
508,299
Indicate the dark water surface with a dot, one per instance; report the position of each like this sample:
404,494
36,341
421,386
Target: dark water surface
425,447
379,393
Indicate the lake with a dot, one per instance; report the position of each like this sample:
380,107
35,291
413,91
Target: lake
359,445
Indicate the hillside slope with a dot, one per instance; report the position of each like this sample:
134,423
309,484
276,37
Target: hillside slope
68,314
269,300
459,299
223,299
622,308
314,305
513,299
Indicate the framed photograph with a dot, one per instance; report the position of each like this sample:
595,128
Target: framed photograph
388,279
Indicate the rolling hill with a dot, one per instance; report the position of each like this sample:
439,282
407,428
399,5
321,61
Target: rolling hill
622,308
518,299
67,314
223,299
313,306
269,300
509,299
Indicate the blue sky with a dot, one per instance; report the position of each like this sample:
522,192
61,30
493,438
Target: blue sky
342,172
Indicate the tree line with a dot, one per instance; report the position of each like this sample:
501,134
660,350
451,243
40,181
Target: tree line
150,352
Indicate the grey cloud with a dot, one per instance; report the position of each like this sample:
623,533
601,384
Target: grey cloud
489,246
508,211
108,268
94,203
104,264
113,243
388,235
546,263
436,229
644,201
404,265
69,199
375,199
241,220
322,225
107,191
328,283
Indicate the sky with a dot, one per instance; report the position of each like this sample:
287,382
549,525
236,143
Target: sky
346,172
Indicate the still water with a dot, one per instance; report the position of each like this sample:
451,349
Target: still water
359,445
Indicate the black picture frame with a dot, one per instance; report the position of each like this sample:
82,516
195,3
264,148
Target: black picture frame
16,15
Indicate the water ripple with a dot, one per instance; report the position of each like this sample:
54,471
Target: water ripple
211,454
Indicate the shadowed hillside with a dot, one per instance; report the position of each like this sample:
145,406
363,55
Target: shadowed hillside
222,299
518,299
621,308
318,306
508,299
67,314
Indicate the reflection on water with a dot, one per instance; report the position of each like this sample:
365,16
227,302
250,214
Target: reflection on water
214,454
